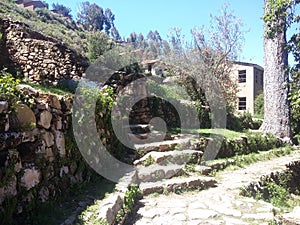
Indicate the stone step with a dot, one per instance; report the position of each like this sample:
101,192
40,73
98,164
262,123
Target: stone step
163,158
177,184
156,172
162,146
139,128
204,170
143,138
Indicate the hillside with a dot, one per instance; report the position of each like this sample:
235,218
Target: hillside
50,24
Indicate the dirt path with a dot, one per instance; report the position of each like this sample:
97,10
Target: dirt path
219,205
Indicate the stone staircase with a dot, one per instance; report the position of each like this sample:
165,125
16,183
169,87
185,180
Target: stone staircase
161,165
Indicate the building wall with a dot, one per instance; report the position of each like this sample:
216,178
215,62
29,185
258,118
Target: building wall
253,85
31,5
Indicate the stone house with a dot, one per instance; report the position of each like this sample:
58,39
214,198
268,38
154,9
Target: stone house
151,67
249,78
31,4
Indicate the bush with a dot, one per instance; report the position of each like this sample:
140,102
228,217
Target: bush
259,104
8,89
233,122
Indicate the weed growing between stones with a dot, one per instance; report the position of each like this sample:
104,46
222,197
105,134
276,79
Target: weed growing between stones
131,195
280,189
149,161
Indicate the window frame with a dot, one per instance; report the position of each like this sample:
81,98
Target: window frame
242,103
242,76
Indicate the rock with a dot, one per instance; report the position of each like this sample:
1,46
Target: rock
54,102
30,178
126,181
26,117
58,123
157,172
110,207
48,137
49,154
60,142
64,170
292,217
164,158
41,104
204,170
201,214
3,106
174,184
45,119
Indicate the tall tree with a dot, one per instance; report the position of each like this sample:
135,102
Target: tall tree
109,20
209,57
61,9
115,34
276,78
91,16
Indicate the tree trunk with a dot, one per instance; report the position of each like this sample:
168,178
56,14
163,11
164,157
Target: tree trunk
276,89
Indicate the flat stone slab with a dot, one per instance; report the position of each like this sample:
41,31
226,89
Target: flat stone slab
291,218
157,172
164,158
204,170
164,146
174,184
144,138
139,128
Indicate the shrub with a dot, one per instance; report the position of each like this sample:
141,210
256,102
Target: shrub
8,89
259,104
233,122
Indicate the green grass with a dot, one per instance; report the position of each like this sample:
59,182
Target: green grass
228,134
241,161
49,89
258,116
47,23
167,91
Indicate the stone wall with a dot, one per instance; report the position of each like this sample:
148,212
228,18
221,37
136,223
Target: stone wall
38,157
39,58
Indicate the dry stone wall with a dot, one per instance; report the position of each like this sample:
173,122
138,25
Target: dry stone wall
39,58
38,157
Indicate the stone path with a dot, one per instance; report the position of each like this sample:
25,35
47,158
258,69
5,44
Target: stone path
219,205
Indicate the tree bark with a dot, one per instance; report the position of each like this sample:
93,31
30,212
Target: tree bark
276,88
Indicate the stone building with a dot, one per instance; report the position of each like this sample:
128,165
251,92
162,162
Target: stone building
249,78
31,4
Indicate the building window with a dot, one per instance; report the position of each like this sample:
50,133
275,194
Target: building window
242,103
242,76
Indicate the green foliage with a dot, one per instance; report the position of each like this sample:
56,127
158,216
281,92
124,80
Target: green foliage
275,189
167,91
98,44
259,104
7,213
131,195
233,122
48,23
8,89
149,161
277,17
91,16
61,9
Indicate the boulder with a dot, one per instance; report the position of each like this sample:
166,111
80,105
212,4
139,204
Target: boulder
26,117
45,119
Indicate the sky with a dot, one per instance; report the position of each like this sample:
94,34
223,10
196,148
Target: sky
141,16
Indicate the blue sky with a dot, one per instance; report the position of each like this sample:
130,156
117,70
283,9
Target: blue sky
141,16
